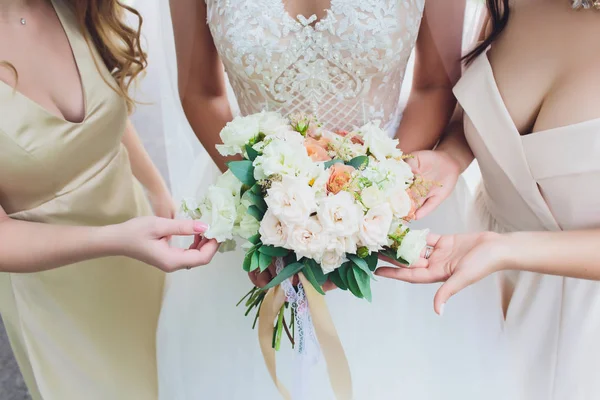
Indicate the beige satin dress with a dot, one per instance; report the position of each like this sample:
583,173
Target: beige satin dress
84,331
550,181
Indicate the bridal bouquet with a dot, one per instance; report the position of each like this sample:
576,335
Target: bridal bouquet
325,202
313,202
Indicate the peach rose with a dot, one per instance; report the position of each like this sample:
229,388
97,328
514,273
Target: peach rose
339,178
316,149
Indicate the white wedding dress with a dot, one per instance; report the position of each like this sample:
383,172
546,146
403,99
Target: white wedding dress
347,69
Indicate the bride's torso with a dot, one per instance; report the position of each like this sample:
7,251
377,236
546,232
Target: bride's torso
344,65
532,118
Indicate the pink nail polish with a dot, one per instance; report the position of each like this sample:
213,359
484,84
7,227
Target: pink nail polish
200,227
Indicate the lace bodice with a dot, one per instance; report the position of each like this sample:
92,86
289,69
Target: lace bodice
346,68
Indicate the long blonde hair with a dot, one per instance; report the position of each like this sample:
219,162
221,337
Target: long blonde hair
119,45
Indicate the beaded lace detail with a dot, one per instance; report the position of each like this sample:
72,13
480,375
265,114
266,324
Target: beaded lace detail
346,69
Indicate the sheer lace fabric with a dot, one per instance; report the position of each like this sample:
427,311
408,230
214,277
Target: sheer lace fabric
346,69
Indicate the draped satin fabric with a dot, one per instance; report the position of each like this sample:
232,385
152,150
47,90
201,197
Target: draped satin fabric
88,330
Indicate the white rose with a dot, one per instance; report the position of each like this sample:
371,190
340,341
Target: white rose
334,255
308,240
372,197
237,133
400,201
292,200
375,227
272,231
378,142
286,159
272,123
229,181
339,214
412,245
219,210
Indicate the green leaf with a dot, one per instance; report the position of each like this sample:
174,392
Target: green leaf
359,162
264,260
256,213
372,260
256,189
317,272
248,259
256,200
352,283
343,273
308,273
254,239
335,278
389,253
252,154
254,262
331,162
273,251
360,263
289,271
243,170
364,282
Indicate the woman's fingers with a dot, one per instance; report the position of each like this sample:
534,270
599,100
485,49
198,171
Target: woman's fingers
411,275
430,204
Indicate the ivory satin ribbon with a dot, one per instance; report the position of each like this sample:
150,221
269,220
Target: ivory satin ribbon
337,363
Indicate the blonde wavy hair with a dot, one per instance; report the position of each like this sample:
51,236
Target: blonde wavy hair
119,45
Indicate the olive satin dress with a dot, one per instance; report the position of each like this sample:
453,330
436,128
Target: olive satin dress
83,331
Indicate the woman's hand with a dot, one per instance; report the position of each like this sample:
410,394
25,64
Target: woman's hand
146,239
457,260
162,204
439,172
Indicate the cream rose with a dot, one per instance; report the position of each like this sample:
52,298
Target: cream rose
339,214
272,231
400,201
375,226
372,196
334,255
308,240
292,200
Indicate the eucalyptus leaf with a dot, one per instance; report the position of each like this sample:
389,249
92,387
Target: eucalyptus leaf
360,263
273,251
256,189
335,278
264,260
252,154
331,162
372,260
352,283
287,272
248,259
359,162
243,170
256,200
254,239
254,262
310,276
317,272
364,282
256,213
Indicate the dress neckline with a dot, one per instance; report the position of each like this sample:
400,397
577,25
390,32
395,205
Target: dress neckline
74,53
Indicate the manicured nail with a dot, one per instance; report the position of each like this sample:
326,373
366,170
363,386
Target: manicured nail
442,309
200,227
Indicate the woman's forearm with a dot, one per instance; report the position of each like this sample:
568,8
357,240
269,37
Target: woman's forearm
207,115
572,254
454,143
141,165
425,117
33,247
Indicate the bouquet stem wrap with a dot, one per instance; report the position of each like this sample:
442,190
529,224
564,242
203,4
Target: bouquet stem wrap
335,358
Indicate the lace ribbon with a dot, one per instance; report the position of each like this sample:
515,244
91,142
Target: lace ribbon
315,327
